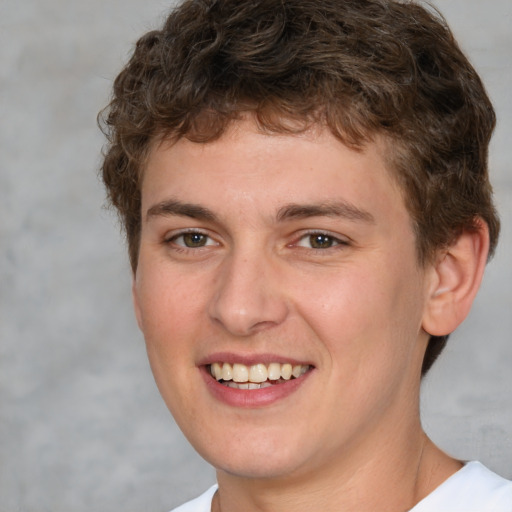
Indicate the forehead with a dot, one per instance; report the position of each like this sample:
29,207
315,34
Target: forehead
246,155
253,169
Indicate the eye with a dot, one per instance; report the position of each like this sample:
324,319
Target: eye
319,241
192,240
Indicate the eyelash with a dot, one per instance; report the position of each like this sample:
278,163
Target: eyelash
333,242
172,240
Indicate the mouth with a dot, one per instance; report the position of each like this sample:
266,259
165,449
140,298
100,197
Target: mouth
256,376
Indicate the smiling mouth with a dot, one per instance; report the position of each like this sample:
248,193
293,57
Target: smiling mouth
256,376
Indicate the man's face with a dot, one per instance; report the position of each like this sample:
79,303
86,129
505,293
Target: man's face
262,254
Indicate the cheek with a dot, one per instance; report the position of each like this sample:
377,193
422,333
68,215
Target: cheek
347,300
363,314
169,318
169,313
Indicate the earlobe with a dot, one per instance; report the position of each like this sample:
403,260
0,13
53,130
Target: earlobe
456,278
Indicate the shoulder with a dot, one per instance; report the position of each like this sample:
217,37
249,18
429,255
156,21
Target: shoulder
474,488
201,504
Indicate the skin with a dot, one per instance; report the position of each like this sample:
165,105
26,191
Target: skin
357,309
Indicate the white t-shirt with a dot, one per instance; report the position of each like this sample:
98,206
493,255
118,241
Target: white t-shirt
473,488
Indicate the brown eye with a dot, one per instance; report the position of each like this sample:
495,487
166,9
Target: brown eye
319,241
192,240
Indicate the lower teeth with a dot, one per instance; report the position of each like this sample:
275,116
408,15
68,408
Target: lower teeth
250,385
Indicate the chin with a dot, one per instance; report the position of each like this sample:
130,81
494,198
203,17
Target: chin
256,468
254,459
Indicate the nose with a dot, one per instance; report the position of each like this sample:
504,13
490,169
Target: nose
248,295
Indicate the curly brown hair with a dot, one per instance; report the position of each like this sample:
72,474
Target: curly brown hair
361,67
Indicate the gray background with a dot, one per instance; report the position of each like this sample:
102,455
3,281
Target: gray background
81,424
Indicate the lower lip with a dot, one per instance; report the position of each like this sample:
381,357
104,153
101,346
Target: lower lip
252,398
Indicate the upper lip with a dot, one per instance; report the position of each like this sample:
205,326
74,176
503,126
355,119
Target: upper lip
250,359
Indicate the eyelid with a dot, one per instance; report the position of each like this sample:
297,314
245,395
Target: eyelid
337,238
171,238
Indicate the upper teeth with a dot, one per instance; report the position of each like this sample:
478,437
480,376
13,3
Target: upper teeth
256,373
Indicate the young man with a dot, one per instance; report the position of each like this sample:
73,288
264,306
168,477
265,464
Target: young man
305,195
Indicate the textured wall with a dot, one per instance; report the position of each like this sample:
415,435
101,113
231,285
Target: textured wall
81,424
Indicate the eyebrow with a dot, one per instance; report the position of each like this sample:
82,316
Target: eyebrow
328,209
173,207
289,212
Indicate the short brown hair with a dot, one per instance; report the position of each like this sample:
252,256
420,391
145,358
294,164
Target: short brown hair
361,67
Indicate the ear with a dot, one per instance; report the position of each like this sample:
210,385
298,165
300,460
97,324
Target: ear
455,280
135,299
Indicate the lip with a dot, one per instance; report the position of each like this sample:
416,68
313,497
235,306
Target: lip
251,398
250,359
